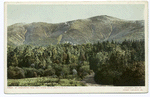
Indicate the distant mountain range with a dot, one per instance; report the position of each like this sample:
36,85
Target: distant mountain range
91,30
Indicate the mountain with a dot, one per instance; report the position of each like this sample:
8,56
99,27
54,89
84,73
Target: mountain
98,28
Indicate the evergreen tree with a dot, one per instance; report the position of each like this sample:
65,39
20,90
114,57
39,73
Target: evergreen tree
14,60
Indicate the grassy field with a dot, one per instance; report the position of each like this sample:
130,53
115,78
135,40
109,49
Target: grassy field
44,81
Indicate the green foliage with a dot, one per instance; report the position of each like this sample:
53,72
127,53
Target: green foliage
65,71
30,72
13,83
44,81
84,70
15,60
40,72
49,72
109,60
15,72
134,75
116,67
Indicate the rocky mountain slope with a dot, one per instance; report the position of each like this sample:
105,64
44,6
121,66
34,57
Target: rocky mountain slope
99,28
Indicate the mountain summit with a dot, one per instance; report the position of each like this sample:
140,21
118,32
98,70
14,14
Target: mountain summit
94,29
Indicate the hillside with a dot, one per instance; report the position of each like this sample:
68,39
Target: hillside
99,28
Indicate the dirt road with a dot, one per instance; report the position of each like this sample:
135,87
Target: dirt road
89,81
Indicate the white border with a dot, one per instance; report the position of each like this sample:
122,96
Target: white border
80,89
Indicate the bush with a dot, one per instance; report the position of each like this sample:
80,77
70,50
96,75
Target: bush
40,72
73,66
49,72
30,72
106,77
70,76
15,73
65,71
57,68
13,83
133,76
83,71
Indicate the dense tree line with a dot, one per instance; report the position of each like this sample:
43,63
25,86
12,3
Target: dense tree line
53,60
119,64
110,61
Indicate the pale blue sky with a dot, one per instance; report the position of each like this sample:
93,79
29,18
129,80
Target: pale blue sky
63,13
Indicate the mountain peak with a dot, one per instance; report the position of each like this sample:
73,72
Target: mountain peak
98,28
104,17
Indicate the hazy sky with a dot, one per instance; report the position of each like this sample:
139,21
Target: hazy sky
63,13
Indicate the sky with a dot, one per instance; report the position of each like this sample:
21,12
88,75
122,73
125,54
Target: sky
62,13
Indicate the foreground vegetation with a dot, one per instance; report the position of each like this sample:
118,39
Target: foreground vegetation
44,81
113,63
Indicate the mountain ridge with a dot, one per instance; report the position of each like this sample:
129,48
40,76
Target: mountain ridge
90,30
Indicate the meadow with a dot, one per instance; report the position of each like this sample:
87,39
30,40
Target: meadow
44,81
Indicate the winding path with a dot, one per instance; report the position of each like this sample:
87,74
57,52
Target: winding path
89,81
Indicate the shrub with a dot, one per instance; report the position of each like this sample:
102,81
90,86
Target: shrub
15,73
134,75
30,72
73,66
40,72
84,70
85,63
13,83
57,68
106,76
69,76
49,72
65,71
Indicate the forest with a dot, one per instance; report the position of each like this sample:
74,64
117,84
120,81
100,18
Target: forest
114,63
